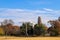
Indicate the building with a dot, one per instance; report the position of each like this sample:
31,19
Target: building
39,20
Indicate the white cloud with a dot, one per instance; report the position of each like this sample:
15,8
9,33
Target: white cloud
22,15
48,9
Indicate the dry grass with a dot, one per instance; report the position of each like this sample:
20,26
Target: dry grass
29,38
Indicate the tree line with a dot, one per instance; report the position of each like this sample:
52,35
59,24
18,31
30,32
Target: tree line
7,28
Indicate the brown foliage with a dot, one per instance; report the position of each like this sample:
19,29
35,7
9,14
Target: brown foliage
56,25
10,29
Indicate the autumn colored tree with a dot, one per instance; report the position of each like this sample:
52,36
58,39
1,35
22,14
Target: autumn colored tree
1,31
55,28
9,28
52,31
6,21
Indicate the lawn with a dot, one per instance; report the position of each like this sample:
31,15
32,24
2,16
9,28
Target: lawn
28,38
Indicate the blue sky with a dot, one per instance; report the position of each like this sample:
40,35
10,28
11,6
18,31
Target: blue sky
30,4
29,10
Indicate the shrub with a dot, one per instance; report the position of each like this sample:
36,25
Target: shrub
1,31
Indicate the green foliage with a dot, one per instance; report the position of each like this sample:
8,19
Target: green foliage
22,30
26,29
39,29
30,31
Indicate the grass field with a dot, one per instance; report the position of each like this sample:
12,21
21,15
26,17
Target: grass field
29,38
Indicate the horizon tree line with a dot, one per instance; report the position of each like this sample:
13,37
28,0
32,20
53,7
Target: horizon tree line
27,29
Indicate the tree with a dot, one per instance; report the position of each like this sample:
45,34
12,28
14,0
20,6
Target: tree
1,31
59,19
7,26
22,29
10,21
6,21
52,31
39,29
55,28
30,28
26,29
